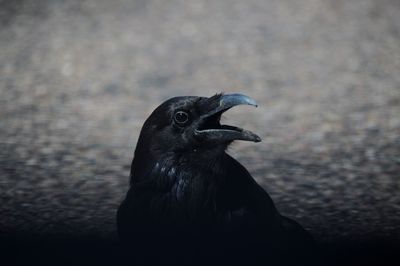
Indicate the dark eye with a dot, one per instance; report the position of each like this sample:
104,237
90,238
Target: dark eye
181,117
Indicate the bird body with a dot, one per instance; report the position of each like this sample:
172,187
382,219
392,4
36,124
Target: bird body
189,202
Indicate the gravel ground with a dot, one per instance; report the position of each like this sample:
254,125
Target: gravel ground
78,79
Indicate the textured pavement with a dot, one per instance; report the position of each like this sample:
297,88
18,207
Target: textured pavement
78,79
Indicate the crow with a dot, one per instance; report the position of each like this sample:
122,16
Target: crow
190,203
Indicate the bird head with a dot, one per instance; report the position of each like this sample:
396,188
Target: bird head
192,123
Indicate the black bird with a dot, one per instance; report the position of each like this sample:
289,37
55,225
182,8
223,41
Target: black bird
189,202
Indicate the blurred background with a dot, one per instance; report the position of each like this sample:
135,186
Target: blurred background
78,79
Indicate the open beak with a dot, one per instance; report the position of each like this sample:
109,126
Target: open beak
209,127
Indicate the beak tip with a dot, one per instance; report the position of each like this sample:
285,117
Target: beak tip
252,102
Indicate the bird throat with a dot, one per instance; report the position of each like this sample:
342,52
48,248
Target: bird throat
187,189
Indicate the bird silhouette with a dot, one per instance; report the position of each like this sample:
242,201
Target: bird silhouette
190,203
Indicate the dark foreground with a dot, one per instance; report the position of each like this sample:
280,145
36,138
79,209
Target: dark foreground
55,250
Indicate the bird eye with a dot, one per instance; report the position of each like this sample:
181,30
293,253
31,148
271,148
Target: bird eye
181,117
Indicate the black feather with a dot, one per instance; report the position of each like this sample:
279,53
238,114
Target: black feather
191,203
